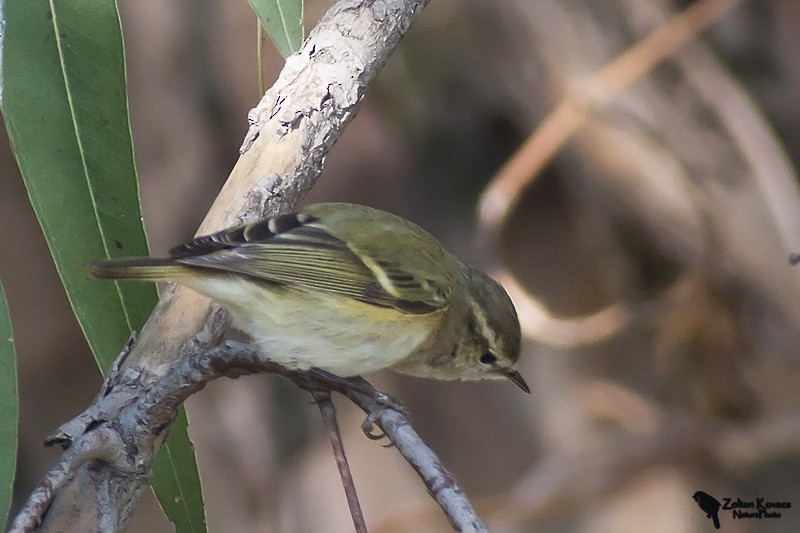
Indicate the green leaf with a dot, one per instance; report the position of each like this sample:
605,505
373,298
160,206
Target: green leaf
9,410
185,496
283,21
65,107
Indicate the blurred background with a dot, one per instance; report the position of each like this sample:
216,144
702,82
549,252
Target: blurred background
647,258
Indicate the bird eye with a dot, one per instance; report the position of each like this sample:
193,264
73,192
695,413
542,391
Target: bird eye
488,358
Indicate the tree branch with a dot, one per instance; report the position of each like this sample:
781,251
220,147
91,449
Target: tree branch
123,438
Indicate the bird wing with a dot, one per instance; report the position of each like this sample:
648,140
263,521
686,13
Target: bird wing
301,250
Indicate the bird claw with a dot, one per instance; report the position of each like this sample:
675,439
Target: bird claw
369,426
370,423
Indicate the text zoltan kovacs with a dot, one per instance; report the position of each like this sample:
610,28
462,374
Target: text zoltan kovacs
758,508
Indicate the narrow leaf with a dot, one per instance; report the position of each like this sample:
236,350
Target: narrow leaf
178,469
283,21
64,103
65,107
9,410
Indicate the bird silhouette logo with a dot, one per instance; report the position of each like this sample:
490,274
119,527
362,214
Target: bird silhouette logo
709,505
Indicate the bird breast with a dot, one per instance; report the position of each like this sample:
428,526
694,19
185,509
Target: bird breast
302,329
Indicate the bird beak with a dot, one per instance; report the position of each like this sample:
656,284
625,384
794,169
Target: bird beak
515,378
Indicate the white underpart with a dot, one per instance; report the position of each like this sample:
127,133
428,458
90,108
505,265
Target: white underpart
346,338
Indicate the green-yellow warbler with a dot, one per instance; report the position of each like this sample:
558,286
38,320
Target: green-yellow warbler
350,290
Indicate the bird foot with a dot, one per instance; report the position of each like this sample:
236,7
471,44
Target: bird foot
359,385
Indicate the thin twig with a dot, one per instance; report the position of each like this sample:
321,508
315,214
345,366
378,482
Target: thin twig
328,412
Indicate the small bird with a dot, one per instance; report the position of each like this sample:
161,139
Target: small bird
350,290
709,505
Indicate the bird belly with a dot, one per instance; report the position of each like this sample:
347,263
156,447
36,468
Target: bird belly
303,329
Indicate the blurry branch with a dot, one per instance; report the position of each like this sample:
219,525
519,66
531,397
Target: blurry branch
772,173
646,437
521,170
539,323
97,482
116,429
565,478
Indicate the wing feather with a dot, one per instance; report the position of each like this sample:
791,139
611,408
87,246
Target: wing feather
299,250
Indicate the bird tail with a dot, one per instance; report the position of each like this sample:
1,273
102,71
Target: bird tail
140,268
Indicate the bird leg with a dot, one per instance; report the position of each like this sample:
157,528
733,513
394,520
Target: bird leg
359,385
